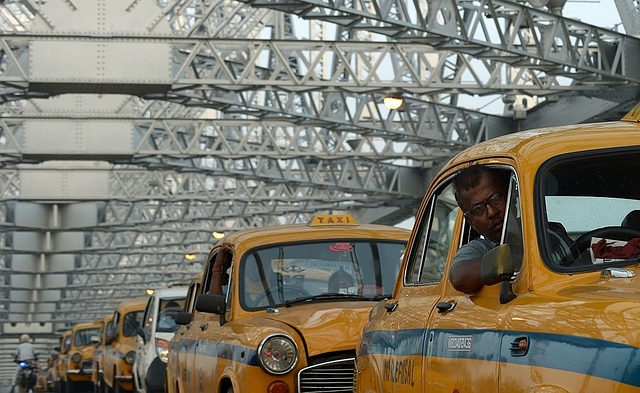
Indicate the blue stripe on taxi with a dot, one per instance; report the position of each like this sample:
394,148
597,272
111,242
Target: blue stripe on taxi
599,358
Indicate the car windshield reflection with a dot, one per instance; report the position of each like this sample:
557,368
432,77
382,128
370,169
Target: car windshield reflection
288,274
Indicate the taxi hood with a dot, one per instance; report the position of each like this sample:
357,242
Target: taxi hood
326,329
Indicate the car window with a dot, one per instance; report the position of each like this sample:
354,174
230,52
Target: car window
108,328
148,316
284,272
512,233
131,322
169,308
83,337
591,203
429,255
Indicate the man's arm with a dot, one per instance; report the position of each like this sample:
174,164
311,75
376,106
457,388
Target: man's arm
465,275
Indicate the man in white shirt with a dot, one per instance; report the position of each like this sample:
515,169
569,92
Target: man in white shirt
25,351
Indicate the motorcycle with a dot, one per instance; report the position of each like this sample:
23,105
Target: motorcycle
27,376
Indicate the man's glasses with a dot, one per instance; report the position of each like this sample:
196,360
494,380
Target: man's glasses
480,209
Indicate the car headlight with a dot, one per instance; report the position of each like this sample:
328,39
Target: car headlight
162,349
278,354
130,357
76,357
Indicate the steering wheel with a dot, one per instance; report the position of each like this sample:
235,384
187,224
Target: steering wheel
583,242
560,248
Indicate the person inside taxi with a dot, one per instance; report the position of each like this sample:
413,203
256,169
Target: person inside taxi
481,193
342,282
257,284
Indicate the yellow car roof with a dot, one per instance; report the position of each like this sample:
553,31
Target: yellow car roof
302,232
537,146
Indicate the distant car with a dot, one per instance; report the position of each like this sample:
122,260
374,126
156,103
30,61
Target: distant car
281,308
79,359
120,345
52,372
60,383
182,319
97,372
42,385
158,328
558,306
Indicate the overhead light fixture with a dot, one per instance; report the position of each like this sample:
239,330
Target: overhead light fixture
190,257
393,102
217,235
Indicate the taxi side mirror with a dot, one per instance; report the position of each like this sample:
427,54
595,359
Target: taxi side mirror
95,340
214,304
496,267
183,318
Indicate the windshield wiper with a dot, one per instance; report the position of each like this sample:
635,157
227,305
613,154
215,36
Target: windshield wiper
326,297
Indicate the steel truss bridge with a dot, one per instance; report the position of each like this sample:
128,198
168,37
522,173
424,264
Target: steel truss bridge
131,130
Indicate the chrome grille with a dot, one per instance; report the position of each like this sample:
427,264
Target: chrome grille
335,376
87,366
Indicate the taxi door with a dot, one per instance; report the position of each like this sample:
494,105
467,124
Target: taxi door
209,330
465,332
189,343
397,355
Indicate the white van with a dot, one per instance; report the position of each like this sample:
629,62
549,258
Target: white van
154,335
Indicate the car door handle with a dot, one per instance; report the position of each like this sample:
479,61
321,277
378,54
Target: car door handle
445,306
204,326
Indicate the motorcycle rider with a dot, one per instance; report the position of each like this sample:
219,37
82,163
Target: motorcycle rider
26,351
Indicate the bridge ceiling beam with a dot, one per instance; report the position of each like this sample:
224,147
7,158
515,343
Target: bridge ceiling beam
149,141
500,30
237,65
629,11
69,182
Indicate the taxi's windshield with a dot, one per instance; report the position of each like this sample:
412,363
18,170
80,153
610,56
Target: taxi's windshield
83,337
277,275
591,210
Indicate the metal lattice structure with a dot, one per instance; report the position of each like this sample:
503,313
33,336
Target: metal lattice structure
132,130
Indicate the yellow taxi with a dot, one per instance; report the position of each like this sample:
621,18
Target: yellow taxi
52,372
97,369
42,384
281,307
558,303
79,359
60,383
182,319
120,345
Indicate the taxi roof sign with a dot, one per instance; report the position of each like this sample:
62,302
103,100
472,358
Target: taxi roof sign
332,219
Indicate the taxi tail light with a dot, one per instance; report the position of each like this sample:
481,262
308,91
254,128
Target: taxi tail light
162,349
